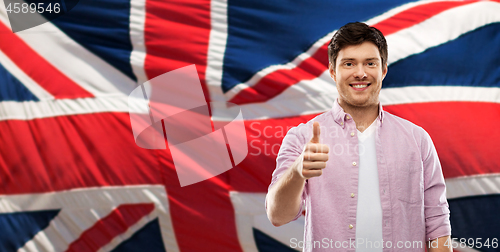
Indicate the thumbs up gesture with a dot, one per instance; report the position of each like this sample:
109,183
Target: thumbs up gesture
315,156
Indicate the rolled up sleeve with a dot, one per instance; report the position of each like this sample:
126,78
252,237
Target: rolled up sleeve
436,209
291,148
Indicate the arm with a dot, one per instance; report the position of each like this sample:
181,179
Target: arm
284,199
438,245
437,214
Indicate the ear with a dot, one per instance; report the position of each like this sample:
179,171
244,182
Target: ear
384,71
332,72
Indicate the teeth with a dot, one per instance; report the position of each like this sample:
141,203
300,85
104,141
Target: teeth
360,86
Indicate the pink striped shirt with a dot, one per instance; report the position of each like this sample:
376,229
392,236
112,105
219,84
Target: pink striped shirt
412,187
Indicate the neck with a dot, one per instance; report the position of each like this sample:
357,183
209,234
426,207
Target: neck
362,116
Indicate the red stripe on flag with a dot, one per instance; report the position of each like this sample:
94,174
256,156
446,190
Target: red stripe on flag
278,81
465,133
106,229
176,35
68,152
37,68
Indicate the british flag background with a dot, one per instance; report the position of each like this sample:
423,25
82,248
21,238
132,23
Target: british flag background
73,179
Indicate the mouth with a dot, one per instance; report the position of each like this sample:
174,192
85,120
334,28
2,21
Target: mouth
359,86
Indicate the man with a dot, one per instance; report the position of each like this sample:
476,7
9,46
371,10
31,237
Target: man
370,180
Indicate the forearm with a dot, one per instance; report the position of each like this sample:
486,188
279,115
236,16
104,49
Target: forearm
284,197
441,244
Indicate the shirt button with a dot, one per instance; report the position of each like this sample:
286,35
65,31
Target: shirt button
352,134
352,195
341,123
348,117
383,191
350,226
354,163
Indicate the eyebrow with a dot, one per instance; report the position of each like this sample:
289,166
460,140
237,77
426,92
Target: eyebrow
347,59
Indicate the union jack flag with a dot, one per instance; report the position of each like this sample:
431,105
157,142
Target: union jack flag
73,179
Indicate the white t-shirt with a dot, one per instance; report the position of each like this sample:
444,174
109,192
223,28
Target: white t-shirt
369,210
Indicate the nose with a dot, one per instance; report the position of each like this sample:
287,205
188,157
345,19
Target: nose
360,72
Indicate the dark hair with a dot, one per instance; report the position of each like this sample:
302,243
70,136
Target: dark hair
354,34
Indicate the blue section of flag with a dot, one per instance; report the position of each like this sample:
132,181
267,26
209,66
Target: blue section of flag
103,28
263,33
147,239
19,227
11,89
266,243
461,62
476,217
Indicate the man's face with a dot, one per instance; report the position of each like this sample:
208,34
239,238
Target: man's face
358,74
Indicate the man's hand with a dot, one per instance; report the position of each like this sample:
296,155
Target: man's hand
315,156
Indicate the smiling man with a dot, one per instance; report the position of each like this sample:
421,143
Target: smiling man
369,180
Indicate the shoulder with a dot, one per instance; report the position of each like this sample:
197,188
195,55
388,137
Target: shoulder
402,124
409,129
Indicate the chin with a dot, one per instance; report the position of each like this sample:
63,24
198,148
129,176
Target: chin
359,102
356,103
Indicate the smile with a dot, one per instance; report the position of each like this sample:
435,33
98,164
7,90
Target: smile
359,86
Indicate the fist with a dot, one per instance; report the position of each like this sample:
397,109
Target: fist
315,156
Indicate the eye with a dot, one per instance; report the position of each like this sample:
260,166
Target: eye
372,64
348,64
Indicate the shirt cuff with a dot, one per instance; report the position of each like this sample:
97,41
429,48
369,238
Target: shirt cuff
438,225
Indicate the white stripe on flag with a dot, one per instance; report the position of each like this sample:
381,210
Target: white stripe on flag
476,185
216,49
12,110
416,94
137,37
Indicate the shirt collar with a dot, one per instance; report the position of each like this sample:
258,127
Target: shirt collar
340,116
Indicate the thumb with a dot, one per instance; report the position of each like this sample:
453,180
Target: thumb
315,138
